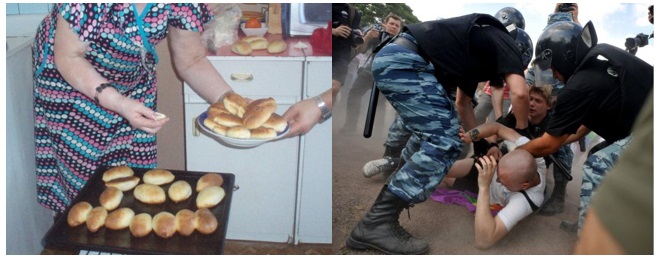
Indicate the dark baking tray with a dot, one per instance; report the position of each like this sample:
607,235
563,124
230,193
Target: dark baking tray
62,236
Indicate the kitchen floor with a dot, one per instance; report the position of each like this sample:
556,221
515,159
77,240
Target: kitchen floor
234,247
448,228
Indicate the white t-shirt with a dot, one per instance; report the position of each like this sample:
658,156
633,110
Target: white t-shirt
515,205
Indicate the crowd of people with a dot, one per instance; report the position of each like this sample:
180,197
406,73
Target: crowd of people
430,73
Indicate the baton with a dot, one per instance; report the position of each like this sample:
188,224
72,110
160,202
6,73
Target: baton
560,166
372,107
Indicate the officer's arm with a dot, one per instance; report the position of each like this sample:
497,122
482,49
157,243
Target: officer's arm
581,132
545,145
465,110
519,98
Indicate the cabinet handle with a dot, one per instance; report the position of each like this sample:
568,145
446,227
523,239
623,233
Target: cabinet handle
242,77
195,130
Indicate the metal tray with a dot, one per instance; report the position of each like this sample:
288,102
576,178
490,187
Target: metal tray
62,236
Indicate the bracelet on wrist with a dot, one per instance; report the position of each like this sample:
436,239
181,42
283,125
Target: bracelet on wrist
100,89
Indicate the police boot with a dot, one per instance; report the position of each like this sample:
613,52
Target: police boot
379,229
556,202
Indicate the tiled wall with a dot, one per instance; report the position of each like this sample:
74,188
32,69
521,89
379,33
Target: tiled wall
18,9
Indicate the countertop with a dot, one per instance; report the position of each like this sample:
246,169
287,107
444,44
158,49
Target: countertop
294,48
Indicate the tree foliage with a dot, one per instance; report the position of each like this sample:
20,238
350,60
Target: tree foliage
376,12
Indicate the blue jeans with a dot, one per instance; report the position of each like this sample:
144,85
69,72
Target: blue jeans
408,82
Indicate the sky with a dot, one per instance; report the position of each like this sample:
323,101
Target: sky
613,22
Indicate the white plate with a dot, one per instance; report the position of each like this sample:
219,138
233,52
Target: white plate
235,142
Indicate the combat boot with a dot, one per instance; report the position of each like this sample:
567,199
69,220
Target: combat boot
556,202
380,230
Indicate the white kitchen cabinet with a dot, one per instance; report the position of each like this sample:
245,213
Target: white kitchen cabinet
27,221
263,206
315,189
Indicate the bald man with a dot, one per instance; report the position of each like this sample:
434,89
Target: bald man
516,182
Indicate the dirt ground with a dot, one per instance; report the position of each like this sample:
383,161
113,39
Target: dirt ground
448,228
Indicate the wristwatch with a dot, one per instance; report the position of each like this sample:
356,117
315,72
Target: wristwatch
473,134
325,112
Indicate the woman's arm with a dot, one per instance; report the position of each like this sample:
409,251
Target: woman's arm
70,60
189,57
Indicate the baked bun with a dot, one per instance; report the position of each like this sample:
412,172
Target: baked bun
234,103
242,48
268,103
277,46
119,219
158,177
179,191
239,132
259,44
117,172
255,118
164,224
96,219
253,38
216,109
185,223
123,184
141,225
209,179
276,122
205,221
220,129
149,194
228,120
210,196
78,213
111,198
263,133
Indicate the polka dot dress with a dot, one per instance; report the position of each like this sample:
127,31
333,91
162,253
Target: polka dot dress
75,135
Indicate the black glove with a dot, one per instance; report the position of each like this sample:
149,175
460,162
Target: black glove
642,39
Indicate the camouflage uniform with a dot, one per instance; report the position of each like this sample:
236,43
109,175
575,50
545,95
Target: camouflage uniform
398,134
408,82
595,169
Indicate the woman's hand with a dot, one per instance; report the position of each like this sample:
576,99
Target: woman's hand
485,171
138,115
301,117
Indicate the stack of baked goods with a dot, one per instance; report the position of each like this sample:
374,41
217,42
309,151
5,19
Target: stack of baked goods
233,117
164,224
246,45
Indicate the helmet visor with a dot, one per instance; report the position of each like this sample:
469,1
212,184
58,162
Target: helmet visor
543,61
543,77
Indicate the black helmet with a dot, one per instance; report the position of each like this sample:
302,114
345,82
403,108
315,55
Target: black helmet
509,15
524,45
562,46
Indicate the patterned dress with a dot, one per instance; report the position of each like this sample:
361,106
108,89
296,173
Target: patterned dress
75,135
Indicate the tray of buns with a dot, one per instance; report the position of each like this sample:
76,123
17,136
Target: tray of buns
114,213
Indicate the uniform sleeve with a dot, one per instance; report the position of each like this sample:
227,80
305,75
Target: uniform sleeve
191,17
569,112
84,19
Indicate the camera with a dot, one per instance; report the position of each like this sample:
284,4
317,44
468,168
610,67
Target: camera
565,7
356,37
632,44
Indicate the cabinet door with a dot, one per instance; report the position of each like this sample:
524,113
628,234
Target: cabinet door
315,200
263,206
